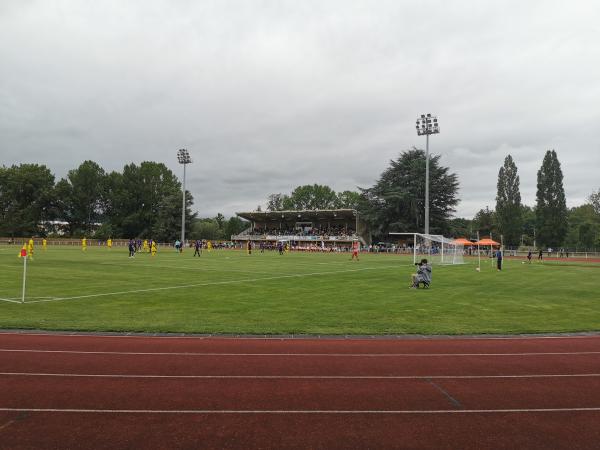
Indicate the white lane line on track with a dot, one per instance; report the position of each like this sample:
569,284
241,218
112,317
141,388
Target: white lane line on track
302,377
264,411
211,283
300,338
328,355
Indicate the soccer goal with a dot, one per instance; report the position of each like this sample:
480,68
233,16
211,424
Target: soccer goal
436,248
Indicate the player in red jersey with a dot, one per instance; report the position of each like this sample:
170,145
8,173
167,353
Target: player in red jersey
355,248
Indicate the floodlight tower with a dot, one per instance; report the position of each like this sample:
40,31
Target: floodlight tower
184,158
426,125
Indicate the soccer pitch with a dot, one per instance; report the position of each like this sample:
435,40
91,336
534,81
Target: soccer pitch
230,292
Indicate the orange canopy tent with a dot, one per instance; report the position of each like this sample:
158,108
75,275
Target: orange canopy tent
488,241
462,241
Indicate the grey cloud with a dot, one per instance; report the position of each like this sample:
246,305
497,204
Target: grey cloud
271,95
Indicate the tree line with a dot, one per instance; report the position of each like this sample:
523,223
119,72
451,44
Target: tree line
396,203
547,224
140,200
145,200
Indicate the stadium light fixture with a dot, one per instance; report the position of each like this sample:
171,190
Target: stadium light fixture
184,158
427,125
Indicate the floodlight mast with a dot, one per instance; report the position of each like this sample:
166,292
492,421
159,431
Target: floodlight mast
184,158
426,125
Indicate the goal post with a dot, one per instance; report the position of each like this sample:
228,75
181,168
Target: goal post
436,248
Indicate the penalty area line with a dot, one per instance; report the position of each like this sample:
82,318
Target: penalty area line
212,283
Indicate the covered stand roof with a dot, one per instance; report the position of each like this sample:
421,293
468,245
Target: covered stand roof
299,216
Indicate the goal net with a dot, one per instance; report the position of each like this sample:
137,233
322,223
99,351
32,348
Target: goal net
436,248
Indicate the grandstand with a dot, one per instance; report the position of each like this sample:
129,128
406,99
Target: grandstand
326,229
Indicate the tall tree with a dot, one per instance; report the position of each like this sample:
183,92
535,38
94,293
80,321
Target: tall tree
594,199
349,199
485,222
315,196
276,202
508,203
551,207
81,195
26,199
584,227
144,196
397,201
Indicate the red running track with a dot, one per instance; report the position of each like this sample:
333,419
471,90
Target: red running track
122,392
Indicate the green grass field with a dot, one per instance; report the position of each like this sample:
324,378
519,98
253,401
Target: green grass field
230,292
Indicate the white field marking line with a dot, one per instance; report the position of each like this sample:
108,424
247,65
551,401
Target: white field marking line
300,411
9,300
302,377
184,286
433,338
309,355
195,269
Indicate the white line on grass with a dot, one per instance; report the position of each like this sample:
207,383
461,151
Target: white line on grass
212,283
302,377
300,411
309,355
9,300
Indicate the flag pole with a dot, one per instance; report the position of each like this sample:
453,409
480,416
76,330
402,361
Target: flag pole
24,274
478,252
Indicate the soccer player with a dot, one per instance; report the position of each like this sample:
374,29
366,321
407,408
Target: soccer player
529,256
109,243
198,248
44,244
499,259
280,247
355,248
153,248
84,244
30,249
145,246
541,255
131,248
249,248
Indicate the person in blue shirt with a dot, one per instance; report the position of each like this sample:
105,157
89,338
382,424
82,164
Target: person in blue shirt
499,259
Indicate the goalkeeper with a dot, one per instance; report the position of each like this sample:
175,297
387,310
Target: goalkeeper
423,275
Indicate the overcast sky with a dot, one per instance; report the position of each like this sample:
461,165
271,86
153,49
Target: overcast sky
268,95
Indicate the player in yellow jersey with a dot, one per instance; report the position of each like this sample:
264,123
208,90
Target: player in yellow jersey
30,248
109,243
145,246
44,244
84,244
209,246
153,248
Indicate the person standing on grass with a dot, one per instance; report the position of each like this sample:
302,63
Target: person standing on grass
84,244
131,248
249,248
499,259
197,248
44,244
153,247
529,256
355,248
109,243
541,255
